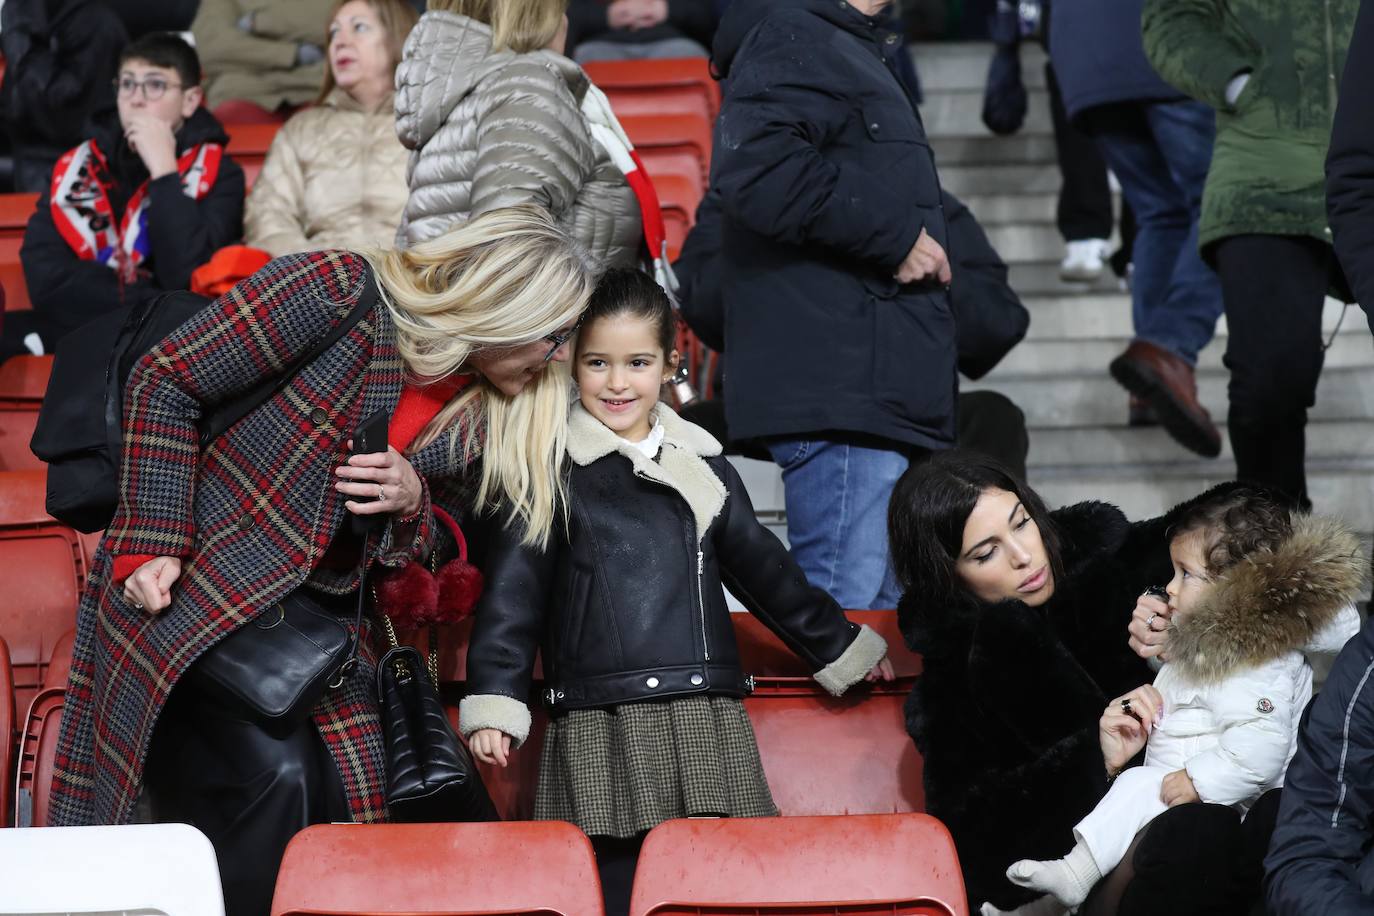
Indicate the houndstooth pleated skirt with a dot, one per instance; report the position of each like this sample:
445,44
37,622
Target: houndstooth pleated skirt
623,770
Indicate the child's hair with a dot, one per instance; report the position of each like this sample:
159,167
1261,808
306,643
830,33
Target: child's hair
1235,524
165,49
623,291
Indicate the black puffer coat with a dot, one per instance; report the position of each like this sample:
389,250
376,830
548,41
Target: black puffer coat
826,180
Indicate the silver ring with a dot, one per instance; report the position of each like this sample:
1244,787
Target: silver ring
1150,622
137,605
381,493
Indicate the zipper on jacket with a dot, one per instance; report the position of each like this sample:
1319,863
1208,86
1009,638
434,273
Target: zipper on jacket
701,605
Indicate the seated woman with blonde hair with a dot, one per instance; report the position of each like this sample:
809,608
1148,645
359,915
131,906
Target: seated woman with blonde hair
335,176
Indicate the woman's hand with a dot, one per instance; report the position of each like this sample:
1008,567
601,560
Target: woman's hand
1126,724
881,671
1178,789
490,745
384,481
1149,626
149,588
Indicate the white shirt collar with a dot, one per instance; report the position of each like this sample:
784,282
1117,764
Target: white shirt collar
651,443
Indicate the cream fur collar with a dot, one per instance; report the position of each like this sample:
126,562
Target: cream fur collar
681,462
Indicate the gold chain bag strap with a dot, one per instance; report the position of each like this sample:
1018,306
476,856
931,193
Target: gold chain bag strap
430,776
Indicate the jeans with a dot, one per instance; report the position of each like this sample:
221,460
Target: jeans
1274,287
1160,152
836,496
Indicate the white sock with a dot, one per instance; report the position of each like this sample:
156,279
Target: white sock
34,344
1069,879
1040,906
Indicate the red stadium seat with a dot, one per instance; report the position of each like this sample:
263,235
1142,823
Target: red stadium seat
37,750
242,111
23,379
893,865
675,143
630,83
248,144
7,737
60,665
45,569
542,868
678,198
15,210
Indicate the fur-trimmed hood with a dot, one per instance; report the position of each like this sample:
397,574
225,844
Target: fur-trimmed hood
1272,602
681,462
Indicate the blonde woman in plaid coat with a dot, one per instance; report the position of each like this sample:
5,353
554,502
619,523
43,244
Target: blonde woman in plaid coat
205,540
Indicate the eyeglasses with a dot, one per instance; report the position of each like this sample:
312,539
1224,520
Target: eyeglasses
558,339
154,87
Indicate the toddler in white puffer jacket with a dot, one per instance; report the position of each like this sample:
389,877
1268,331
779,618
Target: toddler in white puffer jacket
1253,591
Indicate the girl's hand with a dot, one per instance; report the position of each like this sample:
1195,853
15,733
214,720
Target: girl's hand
1149,626
149,588
1178,789
1126,724
490,745
881,671
385,481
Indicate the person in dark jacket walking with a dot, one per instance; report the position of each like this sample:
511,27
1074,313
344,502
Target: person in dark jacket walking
1158,143
1270,71
1320,858
1350,167
135,209
842,342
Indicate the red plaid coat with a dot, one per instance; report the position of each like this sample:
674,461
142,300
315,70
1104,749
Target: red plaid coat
251,517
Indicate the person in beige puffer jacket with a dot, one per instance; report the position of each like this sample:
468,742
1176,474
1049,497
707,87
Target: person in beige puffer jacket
492,114
335,176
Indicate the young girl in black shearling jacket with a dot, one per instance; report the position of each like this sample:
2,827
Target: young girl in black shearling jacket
643,675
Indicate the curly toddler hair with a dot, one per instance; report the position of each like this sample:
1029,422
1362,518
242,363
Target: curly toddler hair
1235,524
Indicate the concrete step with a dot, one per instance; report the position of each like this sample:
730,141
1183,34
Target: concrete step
1349,350
1023,149
1094,399
1036,178
945,66
1019,243
1099,449
1340,488
959,113
1085,314
1041,279
1013,209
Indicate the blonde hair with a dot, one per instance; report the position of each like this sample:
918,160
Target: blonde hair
396,17
520,25
504,279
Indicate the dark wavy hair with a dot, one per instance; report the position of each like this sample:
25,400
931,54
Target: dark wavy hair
1235,524
930,506
624,291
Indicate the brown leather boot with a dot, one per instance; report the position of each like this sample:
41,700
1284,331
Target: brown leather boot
1167,383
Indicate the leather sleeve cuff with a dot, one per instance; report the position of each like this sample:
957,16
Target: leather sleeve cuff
867,649
491,710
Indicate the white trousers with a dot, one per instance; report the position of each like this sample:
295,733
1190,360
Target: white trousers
1130,804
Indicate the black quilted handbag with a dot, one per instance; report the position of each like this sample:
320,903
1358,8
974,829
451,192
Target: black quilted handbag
430,777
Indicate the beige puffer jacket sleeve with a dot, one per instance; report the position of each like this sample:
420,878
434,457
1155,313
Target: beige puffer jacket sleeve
334,178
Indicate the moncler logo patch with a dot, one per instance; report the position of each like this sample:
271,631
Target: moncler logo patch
1264,705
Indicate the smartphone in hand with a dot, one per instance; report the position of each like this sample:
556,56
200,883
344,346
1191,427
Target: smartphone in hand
370,438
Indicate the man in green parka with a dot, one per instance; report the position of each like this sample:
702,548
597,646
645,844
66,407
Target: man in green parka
1271,70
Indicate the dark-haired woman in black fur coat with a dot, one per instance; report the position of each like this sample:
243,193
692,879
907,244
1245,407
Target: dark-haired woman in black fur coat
1022,617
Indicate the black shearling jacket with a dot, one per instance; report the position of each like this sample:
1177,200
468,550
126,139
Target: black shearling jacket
627,605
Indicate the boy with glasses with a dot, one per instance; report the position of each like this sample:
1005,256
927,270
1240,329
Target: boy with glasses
134,209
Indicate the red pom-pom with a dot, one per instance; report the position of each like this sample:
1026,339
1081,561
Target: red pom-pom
460,585
408,596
